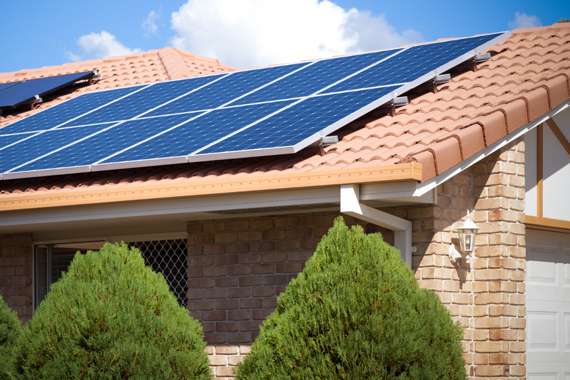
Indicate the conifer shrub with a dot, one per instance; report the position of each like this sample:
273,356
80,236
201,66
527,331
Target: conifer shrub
111,317
356,312
10,331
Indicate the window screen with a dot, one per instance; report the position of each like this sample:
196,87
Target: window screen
168,257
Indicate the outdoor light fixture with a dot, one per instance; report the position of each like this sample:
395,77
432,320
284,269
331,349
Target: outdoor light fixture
466,233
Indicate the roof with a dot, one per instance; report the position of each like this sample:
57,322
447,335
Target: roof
527,76
127,70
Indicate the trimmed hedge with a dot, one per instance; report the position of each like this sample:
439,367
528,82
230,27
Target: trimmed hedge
10,331
112,317
356,312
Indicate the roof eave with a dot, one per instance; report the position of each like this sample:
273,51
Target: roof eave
205,186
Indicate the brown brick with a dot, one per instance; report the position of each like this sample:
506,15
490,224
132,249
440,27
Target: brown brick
492,370
239,315
216,315
225,371
218,360
227,326
227,350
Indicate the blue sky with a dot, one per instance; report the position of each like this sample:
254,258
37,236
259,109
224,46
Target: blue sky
246,33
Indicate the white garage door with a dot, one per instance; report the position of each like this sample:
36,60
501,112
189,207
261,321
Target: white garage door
548,305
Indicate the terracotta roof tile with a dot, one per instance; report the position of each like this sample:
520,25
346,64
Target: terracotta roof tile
527,76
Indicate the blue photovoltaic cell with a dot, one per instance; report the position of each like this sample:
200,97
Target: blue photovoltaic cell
106,143
4,86
412,63
299,121
41,144
225,90
144,100
51,117
315,77
7,140
24,91
196,134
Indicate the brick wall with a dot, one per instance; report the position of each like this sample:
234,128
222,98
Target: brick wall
488,301
237,267
16,273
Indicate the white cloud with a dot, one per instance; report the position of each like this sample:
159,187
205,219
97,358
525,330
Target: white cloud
150,23
99,45
522,20
259,32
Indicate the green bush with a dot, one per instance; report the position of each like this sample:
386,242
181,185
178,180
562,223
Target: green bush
10,331
356,312
111,317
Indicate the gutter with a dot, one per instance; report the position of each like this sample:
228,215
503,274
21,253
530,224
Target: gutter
350,205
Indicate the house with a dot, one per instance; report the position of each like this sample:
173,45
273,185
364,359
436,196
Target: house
492,144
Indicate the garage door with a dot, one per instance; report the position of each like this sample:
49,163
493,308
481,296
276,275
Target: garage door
548,305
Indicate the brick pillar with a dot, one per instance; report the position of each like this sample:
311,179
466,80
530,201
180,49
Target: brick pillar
16,273
487,301
500,266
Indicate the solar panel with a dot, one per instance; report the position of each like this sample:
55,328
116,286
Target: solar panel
301,121
67,112
14,94
145,100
316,76
198,133
412,63
227,89
275,110
41,144
107,141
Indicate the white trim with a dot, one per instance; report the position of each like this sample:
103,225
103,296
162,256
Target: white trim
350,205
423,188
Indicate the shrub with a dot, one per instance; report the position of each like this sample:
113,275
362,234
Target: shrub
356,312
10,331
112,317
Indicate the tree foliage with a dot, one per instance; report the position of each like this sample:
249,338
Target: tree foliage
111,317
356,312
10,331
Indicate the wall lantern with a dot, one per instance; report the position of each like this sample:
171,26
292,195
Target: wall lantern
466,233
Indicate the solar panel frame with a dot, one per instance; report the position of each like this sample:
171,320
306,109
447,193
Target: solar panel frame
197,157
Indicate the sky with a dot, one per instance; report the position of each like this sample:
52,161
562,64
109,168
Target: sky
247,33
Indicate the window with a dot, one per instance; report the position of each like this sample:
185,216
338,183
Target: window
168,257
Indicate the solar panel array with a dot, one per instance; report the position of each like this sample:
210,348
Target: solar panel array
14,94
267,111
